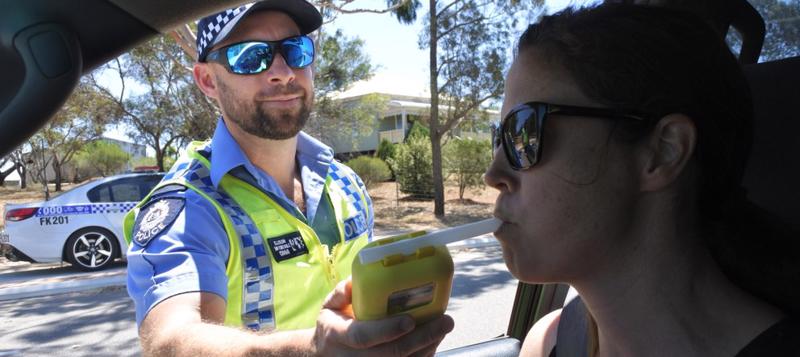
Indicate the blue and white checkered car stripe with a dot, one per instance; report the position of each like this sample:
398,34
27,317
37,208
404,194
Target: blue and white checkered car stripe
257,297
80,209
122,207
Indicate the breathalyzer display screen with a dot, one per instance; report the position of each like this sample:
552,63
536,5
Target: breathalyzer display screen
408,299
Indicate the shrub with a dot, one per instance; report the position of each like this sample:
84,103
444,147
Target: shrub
371,169
385,150
418,130
467,160
412,167
100,158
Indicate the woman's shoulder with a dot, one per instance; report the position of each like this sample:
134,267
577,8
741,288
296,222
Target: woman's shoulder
781,339
541,338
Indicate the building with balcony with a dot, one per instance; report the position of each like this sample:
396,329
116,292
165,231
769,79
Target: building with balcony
407,103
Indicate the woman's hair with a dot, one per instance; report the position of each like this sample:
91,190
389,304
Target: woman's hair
663,61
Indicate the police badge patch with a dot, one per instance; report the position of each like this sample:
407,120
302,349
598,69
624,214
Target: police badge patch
154,218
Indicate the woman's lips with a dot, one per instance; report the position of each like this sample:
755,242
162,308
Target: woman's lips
505,223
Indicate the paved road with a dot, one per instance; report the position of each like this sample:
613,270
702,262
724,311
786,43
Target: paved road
101,322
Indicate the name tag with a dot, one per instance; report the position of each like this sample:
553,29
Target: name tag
287,246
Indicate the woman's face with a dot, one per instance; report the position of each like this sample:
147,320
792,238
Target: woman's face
566,217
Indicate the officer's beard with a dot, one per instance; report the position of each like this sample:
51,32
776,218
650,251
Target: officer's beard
255,116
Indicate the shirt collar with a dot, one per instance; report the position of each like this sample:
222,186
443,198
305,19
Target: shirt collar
228,155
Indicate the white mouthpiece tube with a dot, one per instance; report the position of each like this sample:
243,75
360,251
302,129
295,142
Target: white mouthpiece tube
440,237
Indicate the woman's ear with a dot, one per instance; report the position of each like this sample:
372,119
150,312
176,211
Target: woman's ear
205,79
669,148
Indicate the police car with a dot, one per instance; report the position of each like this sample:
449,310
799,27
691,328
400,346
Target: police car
82,226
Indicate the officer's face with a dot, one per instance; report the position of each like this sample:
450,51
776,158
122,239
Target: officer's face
274,104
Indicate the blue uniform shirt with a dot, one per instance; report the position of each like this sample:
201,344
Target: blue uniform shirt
190,254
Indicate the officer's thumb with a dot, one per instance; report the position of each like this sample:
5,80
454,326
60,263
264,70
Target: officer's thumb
341,297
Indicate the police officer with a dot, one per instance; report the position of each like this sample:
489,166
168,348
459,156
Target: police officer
245,247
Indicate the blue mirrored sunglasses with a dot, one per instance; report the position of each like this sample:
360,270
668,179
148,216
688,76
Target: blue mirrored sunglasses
253,57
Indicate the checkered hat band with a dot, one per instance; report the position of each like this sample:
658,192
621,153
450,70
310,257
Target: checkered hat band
217,28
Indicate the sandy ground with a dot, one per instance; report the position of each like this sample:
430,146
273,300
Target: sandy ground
397,211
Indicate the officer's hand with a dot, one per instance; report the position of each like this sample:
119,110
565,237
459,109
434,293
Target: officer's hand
339,334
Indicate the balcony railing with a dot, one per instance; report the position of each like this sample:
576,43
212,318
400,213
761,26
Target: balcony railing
394,136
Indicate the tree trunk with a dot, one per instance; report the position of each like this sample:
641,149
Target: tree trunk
436,136
23,176
5,173
160,159
57,170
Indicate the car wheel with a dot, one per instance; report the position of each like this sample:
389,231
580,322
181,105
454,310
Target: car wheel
91,249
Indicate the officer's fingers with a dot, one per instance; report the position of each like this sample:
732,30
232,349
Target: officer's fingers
424,339
366,334
331,330
340,297
427,351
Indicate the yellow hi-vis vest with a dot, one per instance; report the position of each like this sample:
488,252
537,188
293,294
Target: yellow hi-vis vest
268,292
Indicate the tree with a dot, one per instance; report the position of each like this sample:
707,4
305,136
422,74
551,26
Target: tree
6,170
81,120
171,111
342,62
101,158
21,161
467,160
412,167
468,42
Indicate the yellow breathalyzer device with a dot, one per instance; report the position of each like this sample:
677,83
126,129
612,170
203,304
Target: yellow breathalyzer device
409,274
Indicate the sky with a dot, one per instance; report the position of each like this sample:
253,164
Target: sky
392,48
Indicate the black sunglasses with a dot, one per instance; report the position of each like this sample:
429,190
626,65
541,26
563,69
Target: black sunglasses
253,57
520,132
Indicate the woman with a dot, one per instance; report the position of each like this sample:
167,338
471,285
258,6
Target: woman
620,153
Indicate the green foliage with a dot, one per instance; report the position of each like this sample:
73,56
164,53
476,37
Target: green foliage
412,167
418,131
346,121
100,158
467,160
371,169
406,11
386,150
341,61
143,161
469,42
169,110
80,120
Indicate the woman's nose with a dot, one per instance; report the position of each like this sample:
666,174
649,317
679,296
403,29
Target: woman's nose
498,175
